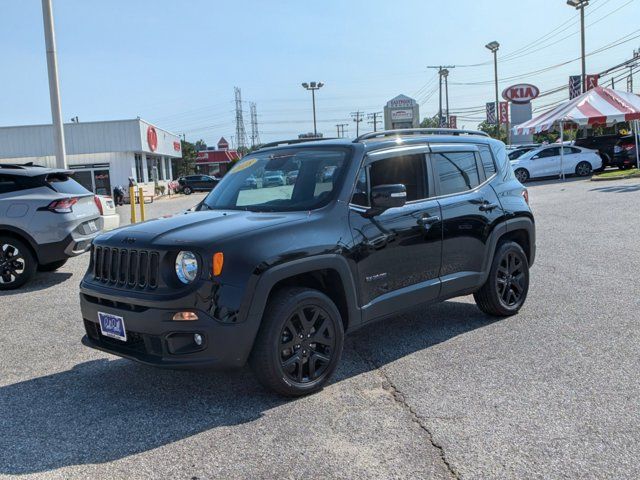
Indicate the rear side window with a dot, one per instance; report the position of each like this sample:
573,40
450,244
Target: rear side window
487,160
63,183
456,171
8,184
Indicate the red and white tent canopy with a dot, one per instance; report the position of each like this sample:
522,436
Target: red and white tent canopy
598,106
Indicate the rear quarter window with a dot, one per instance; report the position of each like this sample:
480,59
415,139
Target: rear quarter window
8,184
63,183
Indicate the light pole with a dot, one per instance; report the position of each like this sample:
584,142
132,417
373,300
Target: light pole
494,46
445,74
579,5
313,86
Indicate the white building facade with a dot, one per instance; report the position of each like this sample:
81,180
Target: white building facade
102,154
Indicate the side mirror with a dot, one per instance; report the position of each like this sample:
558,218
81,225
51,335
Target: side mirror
384,197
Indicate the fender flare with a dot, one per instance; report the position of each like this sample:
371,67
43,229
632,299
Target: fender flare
23,235
262,285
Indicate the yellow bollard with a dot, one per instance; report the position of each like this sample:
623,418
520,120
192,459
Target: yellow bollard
141,197
132,201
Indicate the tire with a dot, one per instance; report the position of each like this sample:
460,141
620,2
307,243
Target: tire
522,175
53,266
505,290
187,190
17,263
583,169
285,358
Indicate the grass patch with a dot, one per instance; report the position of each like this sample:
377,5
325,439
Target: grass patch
618,174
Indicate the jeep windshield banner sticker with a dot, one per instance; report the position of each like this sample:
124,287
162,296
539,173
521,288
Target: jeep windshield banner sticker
243,165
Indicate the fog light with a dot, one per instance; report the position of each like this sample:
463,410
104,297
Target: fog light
185,316
197,338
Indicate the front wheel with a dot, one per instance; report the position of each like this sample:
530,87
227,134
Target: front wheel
299,343
583,169
187,190
522,175
506,288
17,263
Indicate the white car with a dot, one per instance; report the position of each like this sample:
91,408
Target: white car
545,162
108,215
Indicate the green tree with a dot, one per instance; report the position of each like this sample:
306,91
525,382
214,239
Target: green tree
187,164
200,145
493,131
429,122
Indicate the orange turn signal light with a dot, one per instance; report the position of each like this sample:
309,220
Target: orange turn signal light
185,317
218,261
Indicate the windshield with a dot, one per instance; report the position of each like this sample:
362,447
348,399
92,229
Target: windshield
267,190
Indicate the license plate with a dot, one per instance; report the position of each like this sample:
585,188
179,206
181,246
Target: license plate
112,326
92,226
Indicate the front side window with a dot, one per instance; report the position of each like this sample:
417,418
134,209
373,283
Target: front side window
361,192
408,170
457,171
264,182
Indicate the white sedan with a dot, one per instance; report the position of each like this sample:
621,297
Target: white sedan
545,162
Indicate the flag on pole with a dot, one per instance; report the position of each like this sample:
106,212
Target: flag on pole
491,113
592,81
575,84
453,121
504,112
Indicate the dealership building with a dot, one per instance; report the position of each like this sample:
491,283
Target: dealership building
401,112
102,154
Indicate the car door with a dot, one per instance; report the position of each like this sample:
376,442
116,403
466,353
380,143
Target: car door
398,252
547,162
572,156
470,208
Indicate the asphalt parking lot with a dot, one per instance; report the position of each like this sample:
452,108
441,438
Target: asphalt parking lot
444,392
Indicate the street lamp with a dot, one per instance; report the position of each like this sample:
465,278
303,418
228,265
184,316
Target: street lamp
494,46
579,5
313,86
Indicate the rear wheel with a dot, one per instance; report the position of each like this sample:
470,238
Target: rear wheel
187,190
299,343
53,266
506,288
17,263
583,169
522,175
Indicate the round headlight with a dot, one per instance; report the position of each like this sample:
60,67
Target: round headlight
186,267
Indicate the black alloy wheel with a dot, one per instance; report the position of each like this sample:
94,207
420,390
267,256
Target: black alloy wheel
583,169
307,344
522,175
507,284
299,343
17,264
187,190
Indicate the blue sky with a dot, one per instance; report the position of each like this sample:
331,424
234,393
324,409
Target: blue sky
176,62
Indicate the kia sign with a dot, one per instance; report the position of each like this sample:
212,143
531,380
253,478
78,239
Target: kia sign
521,93
152,138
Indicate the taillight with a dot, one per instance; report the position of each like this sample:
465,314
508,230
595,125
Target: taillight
63,206
628,146
98,204
525,195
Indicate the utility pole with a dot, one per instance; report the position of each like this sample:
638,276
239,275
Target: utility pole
340,127
375,120
442,72
580,5
255,136
493,47
630,79
54,88
241,134
357,117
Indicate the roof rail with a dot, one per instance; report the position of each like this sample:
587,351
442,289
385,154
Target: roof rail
418,131
291,142
20,165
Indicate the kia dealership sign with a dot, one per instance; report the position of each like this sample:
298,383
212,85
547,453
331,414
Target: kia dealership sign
521,93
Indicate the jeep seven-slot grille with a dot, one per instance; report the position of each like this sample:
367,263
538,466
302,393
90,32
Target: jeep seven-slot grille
126,268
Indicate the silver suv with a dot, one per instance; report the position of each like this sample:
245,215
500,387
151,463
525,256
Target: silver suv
45,218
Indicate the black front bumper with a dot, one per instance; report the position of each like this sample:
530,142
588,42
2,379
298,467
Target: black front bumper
155,339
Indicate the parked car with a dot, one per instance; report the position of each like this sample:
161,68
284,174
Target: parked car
45,218
291,177
624,155
518,152
411,218
545,162
275,178
252,182
197,183
604,144
108,214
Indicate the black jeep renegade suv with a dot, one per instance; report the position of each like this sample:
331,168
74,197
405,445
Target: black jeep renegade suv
277,275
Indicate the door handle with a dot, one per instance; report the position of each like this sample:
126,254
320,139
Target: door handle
428,220
487,207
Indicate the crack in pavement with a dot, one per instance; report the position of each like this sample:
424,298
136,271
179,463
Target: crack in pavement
399,399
